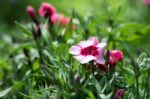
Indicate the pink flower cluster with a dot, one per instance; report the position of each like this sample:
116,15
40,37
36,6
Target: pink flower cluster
93,50
48,11
114,57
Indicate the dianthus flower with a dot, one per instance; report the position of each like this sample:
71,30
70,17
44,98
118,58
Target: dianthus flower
115,55
46,10
89,50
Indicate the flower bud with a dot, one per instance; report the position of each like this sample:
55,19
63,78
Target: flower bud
119,94
101,67
115,55
31,12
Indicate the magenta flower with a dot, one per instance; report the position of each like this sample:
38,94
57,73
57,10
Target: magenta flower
115,55
119,94
53,18
147,2
89,50
46,10
31,11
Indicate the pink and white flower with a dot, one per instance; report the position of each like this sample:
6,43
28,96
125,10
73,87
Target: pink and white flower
46,10
115,55
89,50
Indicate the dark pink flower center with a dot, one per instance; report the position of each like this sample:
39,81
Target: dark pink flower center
47,12
91,50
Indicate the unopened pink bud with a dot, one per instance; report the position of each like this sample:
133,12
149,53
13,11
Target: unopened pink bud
115,55
31,11
119,94
147,2
101,67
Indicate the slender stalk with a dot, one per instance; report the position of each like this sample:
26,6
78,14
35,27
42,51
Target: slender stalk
39,50
148,85
137,88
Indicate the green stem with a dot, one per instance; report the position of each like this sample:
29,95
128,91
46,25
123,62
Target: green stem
38,44
137,88
148,85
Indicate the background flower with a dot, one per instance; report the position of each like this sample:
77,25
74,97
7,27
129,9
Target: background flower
46,10
31,11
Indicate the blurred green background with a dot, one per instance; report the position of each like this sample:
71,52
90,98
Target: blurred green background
12,10
128,11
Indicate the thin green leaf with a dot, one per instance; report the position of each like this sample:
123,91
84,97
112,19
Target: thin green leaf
5,92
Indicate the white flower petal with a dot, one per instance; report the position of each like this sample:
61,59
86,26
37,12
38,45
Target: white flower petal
100,60
93,40
101,52
85,44
79,57
75,50
102,45
87,59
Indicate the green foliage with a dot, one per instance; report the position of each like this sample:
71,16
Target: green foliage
42,68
